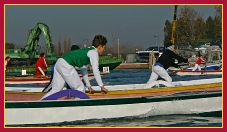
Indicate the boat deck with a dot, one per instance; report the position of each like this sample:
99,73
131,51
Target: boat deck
35,96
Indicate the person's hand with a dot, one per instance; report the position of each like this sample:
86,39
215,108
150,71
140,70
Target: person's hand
181,68
91,91
104,90
90,68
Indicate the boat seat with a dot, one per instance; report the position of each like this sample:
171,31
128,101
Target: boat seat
68,93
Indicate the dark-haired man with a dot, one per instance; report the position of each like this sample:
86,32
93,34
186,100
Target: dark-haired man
65,71
164,62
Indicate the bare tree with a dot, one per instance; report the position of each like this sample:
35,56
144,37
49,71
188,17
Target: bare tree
9,46
200,29
69,44
59,49
65,46
189,16
114,42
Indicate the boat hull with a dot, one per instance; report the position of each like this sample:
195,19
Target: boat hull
202,72
131,100
26,80
208,67
43,112
111,66
126,87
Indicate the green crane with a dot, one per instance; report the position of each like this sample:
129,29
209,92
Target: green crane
30,53
32,46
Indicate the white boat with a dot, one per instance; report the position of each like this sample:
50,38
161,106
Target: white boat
27,79
128,101
145,54
214,69
128,87
208,67
202,72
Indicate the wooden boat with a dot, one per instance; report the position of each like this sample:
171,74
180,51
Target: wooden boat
202,72
131,100
26,79
133,66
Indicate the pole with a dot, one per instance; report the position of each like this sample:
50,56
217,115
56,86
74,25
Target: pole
151,59
174,24
156,37
118,50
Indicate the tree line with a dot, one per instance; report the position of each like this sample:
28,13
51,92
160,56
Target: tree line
191,28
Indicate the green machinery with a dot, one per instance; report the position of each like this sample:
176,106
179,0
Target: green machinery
30,53
25,58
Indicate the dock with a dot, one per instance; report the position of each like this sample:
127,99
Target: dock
139,65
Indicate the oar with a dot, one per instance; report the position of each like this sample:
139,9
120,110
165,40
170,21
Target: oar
180,69
204,69
184,68
47,88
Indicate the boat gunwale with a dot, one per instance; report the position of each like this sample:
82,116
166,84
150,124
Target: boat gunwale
111,101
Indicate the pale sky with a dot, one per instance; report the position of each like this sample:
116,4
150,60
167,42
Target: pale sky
135,24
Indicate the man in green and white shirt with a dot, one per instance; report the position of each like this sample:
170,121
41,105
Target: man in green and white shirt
65,68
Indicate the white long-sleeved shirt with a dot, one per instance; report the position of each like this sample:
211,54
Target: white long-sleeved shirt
94,60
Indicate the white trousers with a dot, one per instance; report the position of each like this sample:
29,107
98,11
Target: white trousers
41,70
65,73
159,71
196,66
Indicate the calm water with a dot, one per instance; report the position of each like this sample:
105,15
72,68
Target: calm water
139,76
